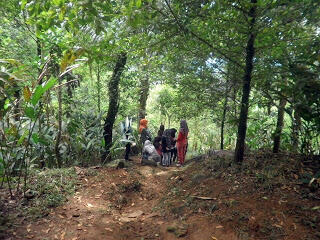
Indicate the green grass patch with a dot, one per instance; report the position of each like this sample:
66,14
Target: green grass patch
51,189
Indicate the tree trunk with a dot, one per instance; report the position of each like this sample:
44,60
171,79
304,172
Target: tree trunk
39,53
278,131
16,105
250,51
68,99
58,139
296,126
113,88
144,93
99,88
225,104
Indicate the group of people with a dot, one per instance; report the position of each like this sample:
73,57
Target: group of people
165,147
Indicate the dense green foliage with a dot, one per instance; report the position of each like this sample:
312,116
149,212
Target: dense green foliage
189,58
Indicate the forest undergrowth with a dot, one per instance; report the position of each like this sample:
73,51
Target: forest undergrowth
269,196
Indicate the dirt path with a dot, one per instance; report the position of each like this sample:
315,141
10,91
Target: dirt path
121,204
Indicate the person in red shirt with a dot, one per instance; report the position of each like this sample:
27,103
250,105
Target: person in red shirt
182,141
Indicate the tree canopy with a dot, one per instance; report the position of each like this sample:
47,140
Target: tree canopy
243,74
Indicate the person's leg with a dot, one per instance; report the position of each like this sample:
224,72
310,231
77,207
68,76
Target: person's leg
180,153
163,160
174,154
184,151
128,147
167,157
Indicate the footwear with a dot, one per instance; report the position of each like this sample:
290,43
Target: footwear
178,165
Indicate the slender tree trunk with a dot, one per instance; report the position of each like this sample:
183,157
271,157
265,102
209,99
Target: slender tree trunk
278,131
296,126
225,104
250,51
58,138
39,53
144,93
68,99
16,105
113,88
99,88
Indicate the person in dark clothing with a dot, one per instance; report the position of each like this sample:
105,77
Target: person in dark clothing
165,151
161,130
173,145
144,131
127,139
127,152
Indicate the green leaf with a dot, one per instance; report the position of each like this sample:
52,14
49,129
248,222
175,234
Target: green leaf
6,104
30,113
138,3
56,2
49,85
41,90
23,4
24,135
10,61
90,143
35,137
37,95
131,3
1,165
43,141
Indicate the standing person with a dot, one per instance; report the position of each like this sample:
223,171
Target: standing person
182,142
168,138
157,140
165,151
127,136
144,131
173,145
161,130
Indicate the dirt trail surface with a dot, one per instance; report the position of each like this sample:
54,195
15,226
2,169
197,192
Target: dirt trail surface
208,199
121,204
